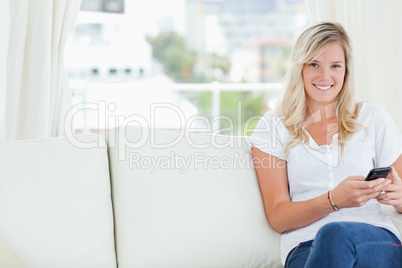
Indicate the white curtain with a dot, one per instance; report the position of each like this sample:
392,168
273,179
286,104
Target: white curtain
34,92
375,27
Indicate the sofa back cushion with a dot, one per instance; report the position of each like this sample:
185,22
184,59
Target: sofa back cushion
187,200
55,203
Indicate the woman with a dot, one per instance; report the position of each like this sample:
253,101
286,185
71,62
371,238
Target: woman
312,156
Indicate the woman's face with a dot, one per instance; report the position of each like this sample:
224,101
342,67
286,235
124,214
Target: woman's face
323,76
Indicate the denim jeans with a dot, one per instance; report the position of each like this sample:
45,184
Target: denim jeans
348,244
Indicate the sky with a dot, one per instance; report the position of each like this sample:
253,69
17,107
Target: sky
146,13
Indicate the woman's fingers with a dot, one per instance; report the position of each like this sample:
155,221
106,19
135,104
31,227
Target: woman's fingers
355,191
377,186
394,176
392,194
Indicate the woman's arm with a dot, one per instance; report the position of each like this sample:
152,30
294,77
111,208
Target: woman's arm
285,215
282,214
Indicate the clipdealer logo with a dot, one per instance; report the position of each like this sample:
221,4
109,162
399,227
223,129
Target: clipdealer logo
148,135
188,126
199,160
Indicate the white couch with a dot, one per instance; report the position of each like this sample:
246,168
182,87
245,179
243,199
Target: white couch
147,199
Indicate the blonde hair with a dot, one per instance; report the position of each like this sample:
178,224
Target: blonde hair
292,106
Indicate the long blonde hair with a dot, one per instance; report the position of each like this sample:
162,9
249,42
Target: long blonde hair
292,105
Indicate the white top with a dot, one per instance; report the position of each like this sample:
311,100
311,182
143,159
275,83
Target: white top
313,170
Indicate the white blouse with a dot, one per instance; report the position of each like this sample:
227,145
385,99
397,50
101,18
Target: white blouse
313,170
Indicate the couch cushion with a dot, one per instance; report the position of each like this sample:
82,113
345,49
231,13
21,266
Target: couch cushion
187,200
55,203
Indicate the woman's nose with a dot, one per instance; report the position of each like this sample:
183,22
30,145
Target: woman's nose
324,73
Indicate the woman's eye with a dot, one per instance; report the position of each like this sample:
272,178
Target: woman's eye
313,64
336,66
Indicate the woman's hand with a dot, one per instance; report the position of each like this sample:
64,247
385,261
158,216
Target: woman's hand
354,191
392,194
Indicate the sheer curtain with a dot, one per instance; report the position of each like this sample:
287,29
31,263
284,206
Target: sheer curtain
375,28
34,93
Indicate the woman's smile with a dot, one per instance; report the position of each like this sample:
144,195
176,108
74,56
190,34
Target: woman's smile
323,88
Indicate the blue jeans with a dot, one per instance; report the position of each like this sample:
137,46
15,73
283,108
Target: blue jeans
348,244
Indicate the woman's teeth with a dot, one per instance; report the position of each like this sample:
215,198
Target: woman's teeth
323,87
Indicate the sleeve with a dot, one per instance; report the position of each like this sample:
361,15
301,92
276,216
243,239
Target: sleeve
268,136
388,140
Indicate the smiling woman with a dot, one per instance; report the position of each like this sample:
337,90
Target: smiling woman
322,56
323,144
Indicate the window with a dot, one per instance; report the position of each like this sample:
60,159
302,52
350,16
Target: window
164,64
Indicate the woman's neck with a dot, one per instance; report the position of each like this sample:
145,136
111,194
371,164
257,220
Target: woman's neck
316,113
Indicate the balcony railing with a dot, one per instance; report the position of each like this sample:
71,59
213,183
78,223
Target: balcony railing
128,99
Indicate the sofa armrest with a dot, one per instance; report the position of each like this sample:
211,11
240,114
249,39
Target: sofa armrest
391,213
8,257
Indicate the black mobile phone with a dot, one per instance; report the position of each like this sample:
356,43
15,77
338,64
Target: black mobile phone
376,173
